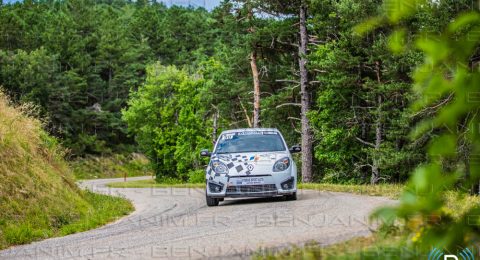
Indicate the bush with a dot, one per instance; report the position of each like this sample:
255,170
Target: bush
197,176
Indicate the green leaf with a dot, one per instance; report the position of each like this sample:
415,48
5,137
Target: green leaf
397,41
444,145
368,26
463,21
386,215
397,10
435,48
421,129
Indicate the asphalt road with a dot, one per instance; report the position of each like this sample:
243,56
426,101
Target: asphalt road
175,223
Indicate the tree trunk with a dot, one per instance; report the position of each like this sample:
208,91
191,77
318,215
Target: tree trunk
378,142
305,98
378,132
256,89
215,125
247,118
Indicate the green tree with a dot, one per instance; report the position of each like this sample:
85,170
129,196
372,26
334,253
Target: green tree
166,115
361,117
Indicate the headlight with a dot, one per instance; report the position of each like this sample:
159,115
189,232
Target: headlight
219,167
281,165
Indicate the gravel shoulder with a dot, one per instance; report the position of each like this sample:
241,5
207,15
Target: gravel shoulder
175,223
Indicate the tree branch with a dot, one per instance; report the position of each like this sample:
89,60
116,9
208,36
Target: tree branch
290,87
289,104
287,43
287,80
434,107
365,142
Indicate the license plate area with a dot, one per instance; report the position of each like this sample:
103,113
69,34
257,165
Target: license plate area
249,181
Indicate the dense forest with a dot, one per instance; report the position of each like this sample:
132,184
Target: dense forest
121,76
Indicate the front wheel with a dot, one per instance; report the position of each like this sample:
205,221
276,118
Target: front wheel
212,202
292,196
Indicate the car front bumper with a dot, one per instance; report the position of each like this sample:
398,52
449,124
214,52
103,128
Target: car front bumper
275,184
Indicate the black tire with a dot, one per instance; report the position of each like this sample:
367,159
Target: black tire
212,202
292,196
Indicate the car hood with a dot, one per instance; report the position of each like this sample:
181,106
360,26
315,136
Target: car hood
255,163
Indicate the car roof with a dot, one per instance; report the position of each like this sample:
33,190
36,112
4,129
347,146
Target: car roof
249,130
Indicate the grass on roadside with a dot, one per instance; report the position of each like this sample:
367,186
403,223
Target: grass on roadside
386,190
104,209
112,166
93,211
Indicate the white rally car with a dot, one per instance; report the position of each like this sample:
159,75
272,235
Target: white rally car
252,162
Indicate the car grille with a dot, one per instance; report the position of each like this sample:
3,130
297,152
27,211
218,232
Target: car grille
251,188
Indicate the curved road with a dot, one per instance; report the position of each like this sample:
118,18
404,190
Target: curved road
175,223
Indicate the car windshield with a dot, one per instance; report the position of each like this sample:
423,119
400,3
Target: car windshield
242,142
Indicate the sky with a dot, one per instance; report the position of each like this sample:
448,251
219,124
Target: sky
208,4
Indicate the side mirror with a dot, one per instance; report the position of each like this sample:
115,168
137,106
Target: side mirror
295,149
205,153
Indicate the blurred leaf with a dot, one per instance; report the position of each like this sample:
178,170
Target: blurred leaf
421,128
421,178
400,9
397,41
368,26
435,48
463,21
443,146
387,215
433,90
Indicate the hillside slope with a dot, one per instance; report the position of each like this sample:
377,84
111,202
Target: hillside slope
38,197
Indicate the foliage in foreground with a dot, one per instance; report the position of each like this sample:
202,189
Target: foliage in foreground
446,84
38,196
